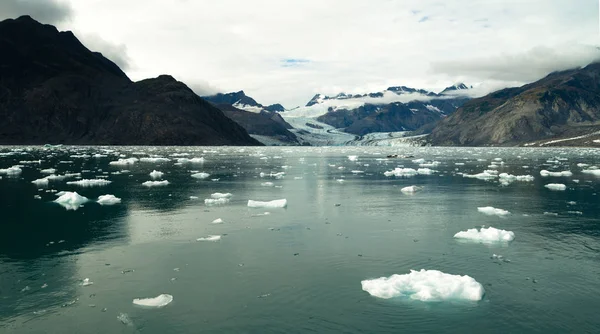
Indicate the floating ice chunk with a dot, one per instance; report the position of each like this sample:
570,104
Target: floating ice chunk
221,195
357,172
124,162
486,175
280,203
546,173
190,161
86,282
156,174
155,159
193,197
43,182
426,286
267,184
11,171
486,235
124,319
556,186
491,211
108,200
581,165
430,164
410,189
48,171
401,172
155,183
511,178
216,201
425,171
200,175
418,161
70,200
210,238
90,182
595,172
160,301
353,157
217,221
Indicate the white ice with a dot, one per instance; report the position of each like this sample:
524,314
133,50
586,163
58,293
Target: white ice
11,171
155,159
487,235
124,162
156,174
160,301
410,189
280,203
90,182
190,161
70,200
425,171
48,171
556,186
108,200
546,173
155,183
486,175
353,157
491,211
426,286
216,201
43,182
595,172
217,221
401,172
511,178
220,195
210,238
267,184
200,175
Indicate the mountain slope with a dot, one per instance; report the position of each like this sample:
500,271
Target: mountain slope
561,105
53,89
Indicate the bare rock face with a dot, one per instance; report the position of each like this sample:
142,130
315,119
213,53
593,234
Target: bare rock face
54,90
562,105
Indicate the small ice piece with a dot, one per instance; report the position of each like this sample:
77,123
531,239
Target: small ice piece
11,171
486,175
353,157
124,162
124,319
193,197
595,172
156,174
86,282
155,183
511,178
216,201
556,186
401,172
410,189
546,173
357,171
210,238
48,171
217,221
70,200
491,211
200,175
108,200
220,195
267,184
279,203
430,164
155,159
425,286
486,235
160,301
37,197
43,182
418,161
90,182
190,161
425,171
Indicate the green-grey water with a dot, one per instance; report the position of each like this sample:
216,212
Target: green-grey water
298,269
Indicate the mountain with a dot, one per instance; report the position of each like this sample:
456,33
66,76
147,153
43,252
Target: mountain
54,90
563,105
256,119
398,108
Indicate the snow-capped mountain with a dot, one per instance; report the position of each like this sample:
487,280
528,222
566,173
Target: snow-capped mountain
242,101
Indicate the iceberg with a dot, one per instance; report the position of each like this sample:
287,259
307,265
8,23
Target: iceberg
11,171
425,286
220,195
410,190
546,173
90,182
210,238
160,301
507,178
216,201
425,171
190,161
353,157
70,200
155,183
43,182
486,175
124,162
267,184
48,171
217,221
491,211
108,200
401,172
486,235
595,172
280,203
556,186
200,175
156,159
156,174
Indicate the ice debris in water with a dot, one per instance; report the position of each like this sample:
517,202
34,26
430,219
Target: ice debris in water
155,159
86,282
70,200
221,195
279,203
210,238
160,301
556,186
216,201
190,161
90,182
155,183
546,173
48,171
124,319
124,162
425,171
156,174
108,200
491,211
267,184
217,221
507,178
426,286
410,189
486,175
401,172
353,157
11,171
595,172
487,235
200,175
43,182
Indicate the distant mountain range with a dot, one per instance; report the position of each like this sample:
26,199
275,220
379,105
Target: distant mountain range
54,90
561,109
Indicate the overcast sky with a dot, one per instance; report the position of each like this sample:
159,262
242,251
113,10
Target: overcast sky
285,51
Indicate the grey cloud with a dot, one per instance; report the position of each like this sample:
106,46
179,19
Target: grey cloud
521,67
117,53
45,11
202,88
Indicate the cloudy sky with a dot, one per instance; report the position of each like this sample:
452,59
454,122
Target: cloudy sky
288,50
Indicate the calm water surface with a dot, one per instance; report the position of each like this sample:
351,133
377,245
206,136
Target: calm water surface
299,269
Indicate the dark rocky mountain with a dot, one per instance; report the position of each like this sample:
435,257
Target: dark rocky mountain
255,118
562,105
377,115
54,90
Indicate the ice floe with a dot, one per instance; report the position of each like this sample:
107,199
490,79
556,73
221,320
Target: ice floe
546,173
124,162
155,183
90,182
401,172
210,238
86,282
70,200
190,161
108,200
491,211
200,175
156,174
43,182
216,201
505,177
486,235
155,159
556,186
280,203
11,171
220,195
159,301
353,157
48,171
426,286
267,184
217,221
410,189
486,175
595,172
